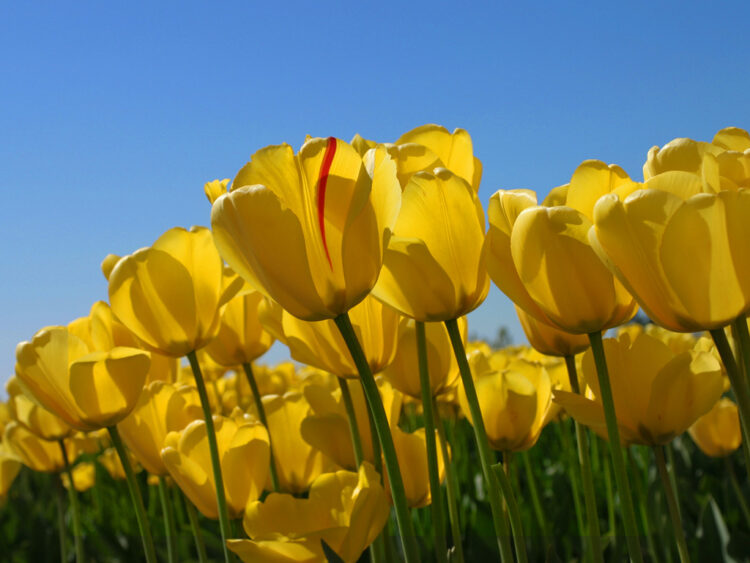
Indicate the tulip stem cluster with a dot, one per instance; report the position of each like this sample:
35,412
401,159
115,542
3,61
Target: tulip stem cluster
169,526
221,501
436,504
375,405
735,378
73,499
135,495
621,475
502,531
200,545
584,460
503,479
672,503
247,366
451,488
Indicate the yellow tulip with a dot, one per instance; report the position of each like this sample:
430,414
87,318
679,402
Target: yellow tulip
346,510
84,476
88,388
682,259
717,433
514,404
326,427
309,230
36,418
432,146
411,451
161,409
549,340
403,372
657,394
215,188
434,266
110,460
244,454
10,465
298,464
541,257
321,345
170,294
35,453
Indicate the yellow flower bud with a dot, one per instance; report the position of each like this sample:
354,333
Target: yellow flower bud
717,433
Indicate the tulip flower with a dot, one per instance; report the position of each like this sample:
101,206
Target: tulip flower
324,428
87,388
34,452
717,433
321,345
170,294
215,188
549,340
346,510
433,268
84,477
161,409
432,146
403,372
243,449
33,416
327,211
412,456
514,404
298,464
658,394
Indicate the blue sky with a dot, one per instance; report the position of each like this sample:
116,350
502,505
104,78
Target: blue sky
113,115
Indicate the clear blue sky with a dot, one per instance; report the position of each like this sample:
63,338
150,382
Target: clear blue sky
113,115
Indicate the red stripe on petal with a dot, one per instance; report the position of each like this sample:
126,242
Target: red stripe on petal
325,169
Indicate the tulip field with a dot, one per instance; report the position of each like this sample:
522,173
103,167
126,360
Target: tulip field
152,428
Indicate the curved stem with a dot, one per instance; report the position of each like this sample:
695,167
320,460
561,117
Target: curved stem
480,435
503,478
73,499
135,495
451,487
573,475
642,505
674,511
584,460
200,545
403,518
621,475
535,502
351,416
221,501
169,526
60,497
247,366
436,494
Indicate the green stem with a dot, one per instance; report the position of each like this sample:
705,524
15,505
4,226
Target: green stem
221,501
674,511
621,475
451,487
584,460
739,383
642,505
535,502
352,418
60,496
247,366
611,521
737,489
503,479
135,495
673,474
436,504
574,485
73,499
403,518
200,545
169,525
480,435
